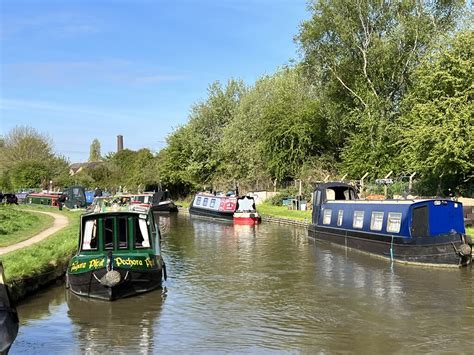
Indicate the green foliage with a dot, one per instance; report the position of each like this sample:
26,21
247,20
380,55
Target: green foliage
437,127
127,168
30,174
94,153
27,160
278,126
277,200
361,56
193,155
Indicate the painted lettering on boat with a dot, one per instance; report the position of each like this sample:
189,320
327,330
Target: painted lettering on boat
119,261
96,263
76,265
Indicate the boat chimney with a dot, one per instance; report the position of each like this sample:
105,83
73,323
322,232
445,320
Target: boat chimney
119,143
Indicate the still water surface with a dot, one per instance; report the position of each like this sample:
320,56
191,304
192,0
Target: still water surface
261,289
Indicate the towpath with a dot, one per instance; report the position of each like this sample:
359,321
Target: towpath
60,222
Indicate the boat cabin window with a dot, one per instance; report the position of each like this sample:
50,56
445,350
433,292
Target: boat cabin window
394,222
89,239
198,201
340,214
376,221
140,232
327,216
122,232
206,200
213,203
358,221
338,193
330,195
108,233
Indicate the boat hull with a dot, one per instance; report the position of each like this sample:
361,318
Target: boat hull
8,317
246,218
439,251
165,207
132,282
8,329
211,213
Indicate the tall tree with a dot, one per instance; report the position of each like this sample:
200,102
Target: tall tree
94,152
437,126
27,159
360,55
277,127
193,153
24,143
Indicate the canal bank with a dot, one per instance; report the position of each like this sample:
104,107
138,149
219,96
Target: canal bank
36,266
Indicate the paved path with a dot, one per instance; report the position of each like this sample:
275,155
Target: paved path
60,222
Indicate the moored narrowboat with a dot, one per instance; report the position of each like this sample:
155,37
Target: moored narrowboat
210,205
158,201
425,231
119,251
246,212
74,197
8,316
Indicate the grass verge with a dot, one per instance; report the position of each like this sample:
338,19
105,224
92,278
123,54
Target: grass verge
44,256
183,203
266,209
16,224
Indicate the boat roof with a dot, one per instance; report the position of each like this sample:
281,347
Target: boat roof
116,204
327,185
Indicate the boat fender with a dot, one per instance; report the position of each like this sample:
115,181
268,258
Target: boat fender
110,279
165,275
465,250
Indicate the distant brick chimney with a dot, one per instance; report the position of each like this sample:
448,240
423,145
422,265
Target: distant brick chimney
119,143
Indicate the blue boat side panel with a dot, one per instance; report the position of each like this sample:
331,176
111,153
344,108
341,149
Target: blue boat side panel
367,208
444,216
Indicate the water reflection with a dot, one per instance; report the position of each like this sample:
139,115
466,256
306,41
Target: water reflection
125,325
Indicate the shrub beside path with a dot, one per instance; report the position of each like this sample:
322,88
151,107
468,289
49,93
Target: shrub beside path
59,223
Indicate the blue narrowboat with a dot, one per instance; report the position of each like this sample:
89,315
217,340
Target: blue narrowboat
425,231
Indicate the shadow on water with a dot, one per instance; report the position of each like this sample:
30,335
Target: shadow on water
262,288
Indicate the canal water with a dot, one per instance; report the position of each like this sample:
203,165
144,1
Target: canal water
262,289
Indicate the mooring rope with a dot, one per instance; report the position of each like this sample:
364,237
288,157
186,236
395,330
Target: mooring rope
391,249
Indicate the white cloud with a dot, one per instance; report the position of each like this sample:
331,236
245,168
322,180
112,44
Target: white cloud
84,72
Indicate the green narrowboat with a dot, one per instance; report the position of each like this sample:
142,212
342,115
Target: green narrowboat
75,197
119,252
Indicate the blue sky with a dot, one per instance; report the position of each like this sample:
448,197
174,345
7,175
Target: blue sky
79,70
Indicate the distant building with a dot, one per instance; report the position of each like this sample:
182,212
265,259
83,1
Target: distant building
77,167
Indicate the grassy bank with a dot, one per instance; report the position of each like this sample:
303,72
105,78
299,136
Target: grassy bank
16,224
266,209
43,257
